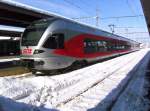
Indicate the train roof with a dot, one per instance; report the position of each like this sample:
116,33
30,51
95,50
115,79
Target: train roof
92,27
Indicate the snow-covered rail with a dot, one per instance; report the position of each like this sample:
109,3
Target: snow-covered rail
74,90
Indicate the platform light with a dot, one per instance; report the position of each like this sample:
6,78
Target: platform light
4,38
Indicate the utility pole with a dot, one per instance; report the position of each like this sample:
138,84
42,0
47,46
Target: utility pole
97,17
126,32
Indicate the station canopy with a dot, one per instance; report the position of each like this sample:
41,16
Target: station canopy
19,15
146,9
10,33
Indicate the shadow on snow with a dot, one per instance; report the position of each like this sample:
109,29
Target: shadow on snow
7,104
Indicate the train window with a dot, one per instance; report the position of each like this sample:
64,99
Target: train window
55,41
92,46
88,47
31,36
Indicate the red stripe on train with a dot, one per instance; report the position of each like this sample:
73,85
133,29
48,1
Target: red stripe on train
74,47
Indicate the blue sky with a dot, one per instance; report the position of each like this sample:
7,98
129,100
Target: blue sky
106,8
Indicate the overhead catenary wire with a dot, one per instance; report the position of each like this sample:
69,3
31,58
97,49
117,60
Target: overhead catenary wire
87,4
128,27
130,7
135,33
122,17
114,17
73,4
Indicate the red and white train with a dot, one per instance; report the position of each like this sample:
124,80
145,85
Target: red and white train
52,44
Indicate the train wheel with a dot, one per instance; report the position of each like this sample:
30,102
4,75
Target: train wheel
84,63
76,65
79,64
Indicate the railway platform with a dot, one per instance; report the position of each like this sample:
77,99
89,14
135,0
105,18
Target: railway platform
9,58
8,61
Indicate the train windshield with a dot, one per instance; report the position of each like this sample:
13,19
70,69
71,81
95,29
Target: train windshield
33,33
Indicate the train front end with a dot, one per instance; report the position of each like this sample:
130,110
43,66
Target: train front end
38,43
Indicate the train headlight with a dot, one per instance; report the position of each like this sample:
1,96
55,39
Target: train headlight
37,51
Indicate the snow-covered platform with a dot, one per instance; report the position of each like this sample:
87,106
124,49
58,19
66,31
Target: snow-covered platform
109,85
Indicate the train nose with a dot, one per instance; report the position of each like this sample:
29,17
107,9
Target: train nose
27,63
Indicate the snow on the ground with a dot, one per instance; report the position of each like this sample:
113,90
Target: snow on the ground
102,96
43,93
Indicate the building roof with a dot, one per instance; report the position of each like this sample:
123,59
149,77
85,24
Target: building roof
20,15
146,9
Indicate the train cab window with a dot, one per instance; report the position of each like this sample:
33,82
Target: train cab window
55,41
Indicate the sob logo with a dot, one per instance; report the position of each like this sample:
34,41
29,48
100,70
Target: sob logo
27,51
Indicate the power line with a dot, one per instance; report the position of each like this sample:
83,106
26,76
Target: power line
134,33
90,17
104,18
114,17
130,7
129,27
71,3
86,4
97,18
89,4
121,17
